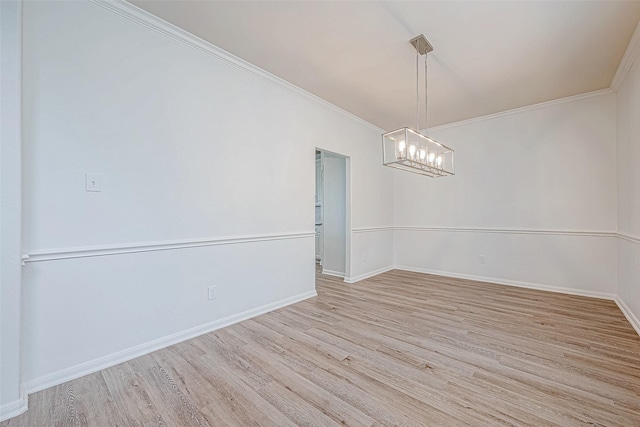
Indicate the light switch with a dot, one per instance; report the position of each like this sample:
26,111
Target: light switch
93,182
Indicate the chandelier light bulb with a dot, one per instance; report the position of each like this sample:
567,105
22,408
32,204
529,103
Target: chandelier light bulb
423,154
432,157
412,151
401,146
439,161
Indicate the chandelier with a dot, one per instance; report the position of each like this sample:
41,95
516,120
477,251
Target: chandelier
408,149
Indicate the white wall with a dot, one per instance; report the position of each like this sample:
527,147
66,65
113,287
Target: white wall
372,250
371,227
535,193
628,127
12,401
208,179
334,205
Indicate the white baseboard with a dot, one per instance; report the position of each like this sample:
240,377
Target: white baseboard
359,277
13,409
104,362
332,273
519,284
628,314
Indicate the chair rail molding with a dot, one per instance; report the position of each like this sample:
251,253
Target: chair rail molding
372,229
562,232
93,251
628,237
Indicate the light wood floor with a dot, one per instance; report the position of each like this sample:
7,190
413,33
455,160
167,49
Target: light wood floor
398,349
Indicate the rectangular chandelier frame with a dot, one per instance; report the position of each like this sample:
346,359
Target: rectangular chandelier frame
411,151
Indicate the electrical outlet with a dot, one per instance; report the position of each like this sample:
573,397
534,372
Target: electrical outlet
482,259
364,257
212,294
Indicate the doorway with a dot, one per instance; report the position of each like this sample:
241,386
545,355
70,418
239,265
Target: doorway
332,207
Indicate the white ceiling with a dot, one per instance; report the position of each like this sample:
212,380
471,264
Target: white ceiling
488,56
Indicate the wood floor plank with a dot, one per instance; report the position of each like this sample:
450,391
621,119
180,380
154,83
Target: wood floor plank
397,349
95,402
130,396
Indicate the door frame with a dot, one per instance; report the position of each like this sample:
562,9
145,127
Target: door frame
348,201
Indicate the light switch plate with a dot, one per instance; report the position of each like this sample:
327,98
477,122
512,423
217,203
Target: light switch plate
93,182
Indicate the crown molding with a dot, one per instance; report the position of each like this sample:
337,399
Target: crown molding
630,55
564,100
152,22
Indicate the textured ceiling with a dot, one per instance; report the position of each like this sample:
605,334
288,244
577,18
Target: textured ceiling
488,56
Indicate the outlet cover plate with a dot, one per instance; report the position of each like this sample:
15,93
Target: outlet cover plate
93,183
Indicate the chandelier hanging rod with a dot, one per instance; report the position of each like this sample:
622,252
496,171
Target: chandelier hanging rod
423,47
